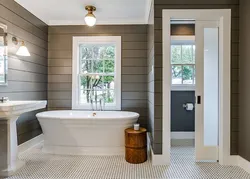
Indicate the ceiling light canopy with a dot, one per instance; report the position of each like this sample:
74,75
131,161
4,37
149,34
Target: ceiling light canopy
90,18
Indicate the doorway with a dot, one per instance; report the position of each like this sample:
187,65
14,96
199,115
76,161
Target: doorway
213,24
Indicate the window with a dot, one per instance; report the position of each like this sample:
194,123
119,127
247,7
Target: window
183,64
183,61
96,71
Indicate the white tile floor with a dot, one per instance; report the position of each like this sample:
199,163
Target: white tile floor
45,166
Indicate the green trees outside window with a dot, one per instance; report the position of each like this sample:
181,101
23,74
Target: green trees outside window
183,64
97,67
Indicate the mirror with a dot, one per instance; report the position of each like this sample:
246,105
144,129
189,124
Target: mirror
3,55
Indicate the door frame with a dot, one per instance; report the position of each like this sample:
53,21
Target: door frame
224,18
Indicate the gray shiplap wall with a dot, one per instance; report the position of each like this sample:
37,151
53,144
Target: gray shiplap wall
244,112
159,5
27,76
134,64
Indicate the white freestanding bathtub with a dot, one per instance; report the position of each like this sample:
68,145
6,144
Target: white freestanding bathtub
84,133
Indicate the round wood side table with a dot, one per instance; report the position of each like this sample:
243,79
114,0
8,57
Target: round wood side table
136,145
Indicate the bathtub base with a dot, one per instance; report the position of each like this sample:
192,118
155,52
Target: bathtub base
68,150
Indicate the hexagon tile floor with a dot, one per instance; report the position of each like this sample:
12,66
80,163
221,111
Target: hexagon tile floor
45,166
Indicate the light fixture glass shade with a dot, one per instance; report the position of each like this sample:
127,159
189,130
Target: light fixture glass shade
23,51
90,19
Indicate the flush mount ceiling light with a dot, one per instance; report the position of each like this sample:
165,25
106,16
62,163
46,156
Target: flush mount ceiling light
23,50
90,18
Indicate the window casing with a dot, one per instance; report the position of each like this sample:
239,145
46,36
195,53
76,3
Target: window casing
96,72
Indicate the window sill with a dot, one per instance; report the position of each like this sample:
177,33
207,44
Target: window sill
89,108
183,88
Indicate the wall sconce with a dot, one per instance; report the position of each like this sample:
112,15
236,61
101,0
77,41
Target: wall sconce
22,50
90,18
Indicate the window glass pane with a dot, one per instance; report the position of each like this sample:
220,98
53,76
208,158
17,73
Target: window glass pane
176,74
109,96
97,72
97,82
176,54
84,96
109,53
85,82
86,66
86,52
187,74
103,52
187,54
109,82
109,66
97,66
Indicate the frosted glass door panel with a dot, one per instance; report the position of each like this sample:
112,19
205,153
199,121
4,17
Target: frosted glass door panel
211,86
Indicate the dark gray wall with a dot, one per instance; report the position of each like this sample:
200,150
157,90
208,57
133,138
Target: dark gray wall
181,119
27,76
244,112
197,4
134,64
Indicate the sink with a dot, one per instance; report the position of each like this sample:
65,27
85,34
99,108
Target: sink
9,113
16,108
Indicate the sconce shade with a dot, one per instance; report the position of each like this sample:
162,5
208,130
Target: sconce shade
23,51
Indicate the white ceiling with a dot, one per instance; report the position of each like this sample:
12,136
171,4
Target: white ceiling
72,12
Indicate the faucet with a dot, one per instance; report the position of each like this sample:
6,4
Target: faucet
4,99
94,103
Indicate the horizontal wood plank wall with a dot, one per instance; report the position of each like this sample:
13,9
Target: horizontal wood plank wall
27,76
244,112
198,4
134,64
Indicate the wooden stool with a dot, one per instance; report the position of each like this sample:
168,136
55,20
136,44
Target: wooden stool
135,145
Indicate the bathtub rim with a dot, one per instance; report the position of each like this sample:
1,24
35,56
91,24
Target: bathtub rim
42,116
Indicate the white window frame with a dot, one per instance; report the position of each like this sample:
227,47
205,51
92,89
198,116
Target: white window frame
77,40
182,40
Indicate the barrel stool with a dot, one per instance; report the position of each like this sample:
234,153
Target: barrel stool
136,145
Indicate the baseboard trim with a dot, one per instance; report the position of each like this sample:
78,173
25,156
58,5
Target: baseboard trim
182,135
30,143
244,164
156,160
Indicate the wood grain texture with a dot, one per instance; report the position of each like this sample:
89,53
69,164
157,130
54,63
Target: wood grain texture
135,145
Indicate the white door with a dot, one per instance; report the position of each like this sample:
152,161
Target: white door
207,90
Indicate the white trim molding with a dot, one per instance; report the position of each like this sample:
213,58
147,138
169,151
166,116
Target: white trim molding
99,22
182,135
30,143
244,164
224,18
148,6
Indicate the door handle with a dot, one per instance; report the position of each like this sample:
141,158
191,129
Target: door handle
198,99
